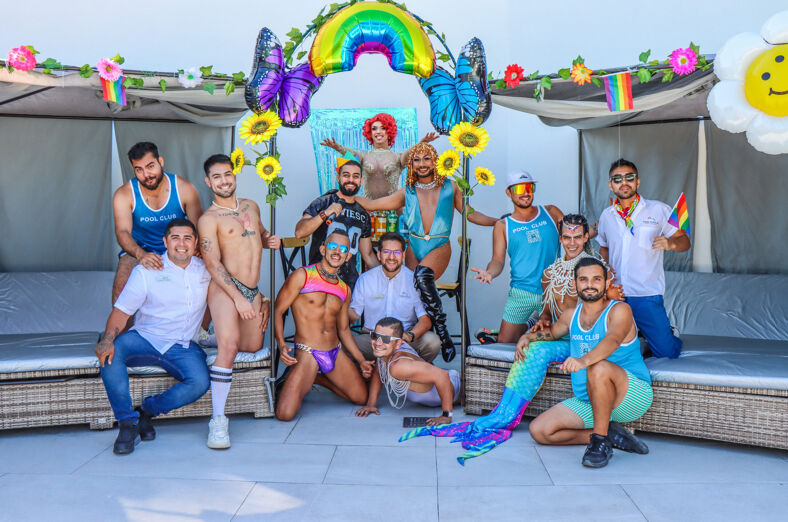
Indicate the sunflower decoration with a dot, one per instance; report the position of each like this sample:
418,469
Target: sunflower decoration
484,176
268,168
258,128
237,157
468,139
447,163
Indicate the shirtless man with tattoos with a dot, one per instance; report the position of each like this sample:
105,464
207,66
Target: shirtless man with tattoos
231,240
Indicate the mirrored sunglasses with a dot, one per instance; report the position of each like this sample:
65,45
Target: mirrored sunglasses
522,188
629,176
332,245
385,339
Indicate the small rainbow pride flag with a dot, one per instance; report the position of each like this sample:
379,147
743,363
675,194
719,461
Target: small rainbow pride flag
679,217
114,91
618,90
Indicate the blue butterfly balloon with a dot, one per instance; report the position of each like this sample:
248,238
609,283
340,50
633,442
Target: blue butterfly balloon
463,97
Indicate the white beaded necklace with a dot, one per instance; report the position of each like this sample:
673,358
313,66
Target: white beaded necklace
238,204
395,387
426,186
562,273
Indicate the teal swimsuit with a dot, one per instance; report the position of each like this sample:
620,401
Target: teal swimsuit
421,243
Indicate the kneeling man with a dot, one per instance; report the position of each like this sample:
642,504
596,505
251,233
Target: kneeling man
169,304
610,381
406,376
319,300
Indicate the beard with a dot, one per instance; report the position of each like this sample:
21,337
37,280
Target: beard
226,193
349,192
519,205
153,184
591,298
427,175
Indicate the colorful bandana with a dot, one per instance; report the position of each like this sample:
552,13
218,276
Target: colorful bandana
626,213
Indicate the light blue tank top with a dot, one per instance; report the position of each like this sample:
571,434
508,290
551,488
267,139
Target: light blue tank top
148,225
583,341
532,247
444,212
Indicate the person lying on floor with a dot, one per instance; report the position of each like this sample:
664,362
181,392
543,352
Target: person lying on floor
406,376
319,300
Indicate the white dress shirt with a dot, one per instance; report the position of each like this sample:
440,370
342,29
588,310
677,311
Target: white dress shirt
376,296
638,266
168,305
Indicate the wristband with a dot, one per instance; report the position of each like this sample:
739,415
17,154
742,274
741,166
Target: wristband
446,414
323,216
412,335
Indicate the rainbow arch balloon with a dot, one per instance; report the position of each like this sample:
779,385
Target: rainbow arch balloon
372,27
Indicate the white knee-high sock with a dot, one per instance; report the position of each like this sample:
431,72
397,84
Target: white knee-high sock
221,378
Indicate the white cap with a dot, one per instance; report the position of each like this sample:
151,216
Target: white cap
518,176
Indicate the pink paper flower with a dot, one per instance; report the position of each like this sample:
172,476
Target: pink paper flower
683,61
109,70
21,58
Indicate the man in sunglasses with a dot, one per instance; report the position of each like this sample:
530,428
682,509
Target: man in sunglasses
319,300
633,234
388,290
530,236
339,210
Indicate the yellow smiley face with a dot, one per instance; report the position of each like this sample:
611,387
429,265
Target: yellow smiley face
766,82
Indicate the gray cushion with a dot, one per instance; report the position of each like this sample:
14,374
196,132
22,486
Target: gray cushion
495,351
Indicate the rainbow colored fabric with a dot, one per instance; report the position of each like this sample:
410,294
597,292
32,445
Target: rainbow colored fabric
524,380
618,91
679,217
371,27
114,91
314,282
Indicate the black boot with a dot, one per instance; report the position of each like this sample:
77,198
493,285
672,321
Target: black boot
128,437
145,425
424,279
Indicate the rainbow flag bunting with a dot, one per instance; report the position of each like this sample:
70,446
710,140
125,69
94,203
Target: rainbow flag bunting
114,91
679,217
618,90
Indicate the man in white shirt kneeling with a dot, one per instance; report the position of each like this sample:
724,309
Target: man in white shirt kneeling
388,290
169,305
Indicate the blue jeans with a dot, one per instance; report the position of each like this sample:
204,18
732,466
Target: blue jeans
185,364
653,323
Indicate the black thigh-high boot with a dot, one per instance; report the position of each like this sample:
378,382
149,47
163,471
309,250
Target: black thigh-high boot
424,279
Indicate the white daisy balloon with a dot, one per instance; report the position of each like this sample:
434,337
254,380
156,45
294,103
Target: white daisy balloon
752,94
190,78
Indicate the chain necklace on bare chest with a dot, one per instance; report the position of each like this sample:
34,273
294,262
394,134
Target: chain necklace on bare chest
326,275
228,208
426,186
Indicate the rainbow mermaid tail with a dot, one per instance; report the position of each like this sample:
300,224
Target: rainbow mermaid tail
524,380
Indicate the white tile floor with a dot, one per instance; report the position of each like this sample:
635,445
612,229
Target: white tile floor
329,465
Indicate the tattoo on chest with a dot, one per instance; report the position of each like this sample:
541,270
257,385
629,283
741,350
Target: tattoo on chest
228,214
246,223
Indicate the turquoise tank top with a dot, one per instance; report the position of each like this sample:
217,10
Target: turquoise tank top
532,247
583,341
148,225
441,224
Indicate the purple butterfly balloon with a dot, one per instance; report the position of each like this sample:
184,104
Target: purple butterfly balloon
271,80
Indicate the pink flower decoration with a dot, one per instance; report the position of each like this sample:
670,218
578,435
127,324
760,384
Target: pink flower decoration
109,70
683,61
21,58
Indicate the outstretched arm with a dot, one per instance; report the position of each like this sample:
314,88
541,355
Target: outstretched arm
474,216
405,369
498,260
391,202
372,398
333,144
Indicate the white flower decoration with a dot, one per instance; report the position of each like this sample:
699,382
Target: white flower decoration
752,94
190,78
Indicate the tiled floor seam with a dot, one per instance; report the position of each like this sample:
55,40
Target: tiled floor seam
291,430
251,488
91,459
622,488
539,456
329,465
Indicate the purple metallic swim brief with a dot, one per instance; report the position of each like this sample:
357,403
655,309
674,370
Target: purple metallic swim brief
325,358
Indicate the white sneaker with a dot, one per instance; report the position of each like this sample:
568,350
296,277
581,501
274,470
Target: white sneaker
219,432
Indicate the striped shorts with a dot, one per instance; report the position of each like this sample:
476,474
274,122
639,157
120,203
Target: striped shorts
636,402
520,304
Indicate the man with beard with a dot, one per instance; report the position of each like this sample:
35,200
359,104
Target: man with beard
388,290
319,300
231,239
633,234
610,381
429,208
143,207
339,210
530,236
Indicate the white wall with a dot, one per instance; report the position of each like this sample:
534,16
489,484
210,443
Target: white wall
536,35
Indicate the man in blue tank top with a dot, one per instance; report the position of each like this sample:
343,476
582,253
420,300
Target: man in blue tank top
142,209
610,381
530,236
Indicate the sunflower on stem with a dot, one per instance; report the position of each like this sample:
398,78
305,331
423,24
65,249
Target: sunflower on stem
448,162
468,139
258,128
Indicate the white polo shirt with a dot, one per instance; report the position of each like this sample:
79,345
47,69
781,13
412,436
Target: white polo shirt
168,305
638,266
377,296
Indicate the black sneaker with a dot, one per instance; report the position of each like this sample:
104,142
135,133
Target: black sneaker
598,452
145,425
623,439
128,437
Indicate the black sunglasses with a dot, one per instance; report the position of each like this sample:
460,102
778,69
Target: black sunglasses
385,339
618,178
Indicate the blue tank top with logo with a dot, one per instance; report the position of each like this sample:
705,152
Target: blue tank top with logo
532,247
148,225
583,341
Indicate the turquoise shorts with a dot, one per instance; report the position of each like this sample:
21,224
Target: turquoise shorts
635,404
520,305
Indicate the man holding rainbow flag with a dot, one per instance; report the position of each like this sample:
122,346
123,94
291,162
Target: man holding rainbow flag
633,234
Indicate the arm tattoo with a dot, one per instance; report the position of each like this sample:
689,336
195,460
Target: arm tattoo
542,336
110,336
205,245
